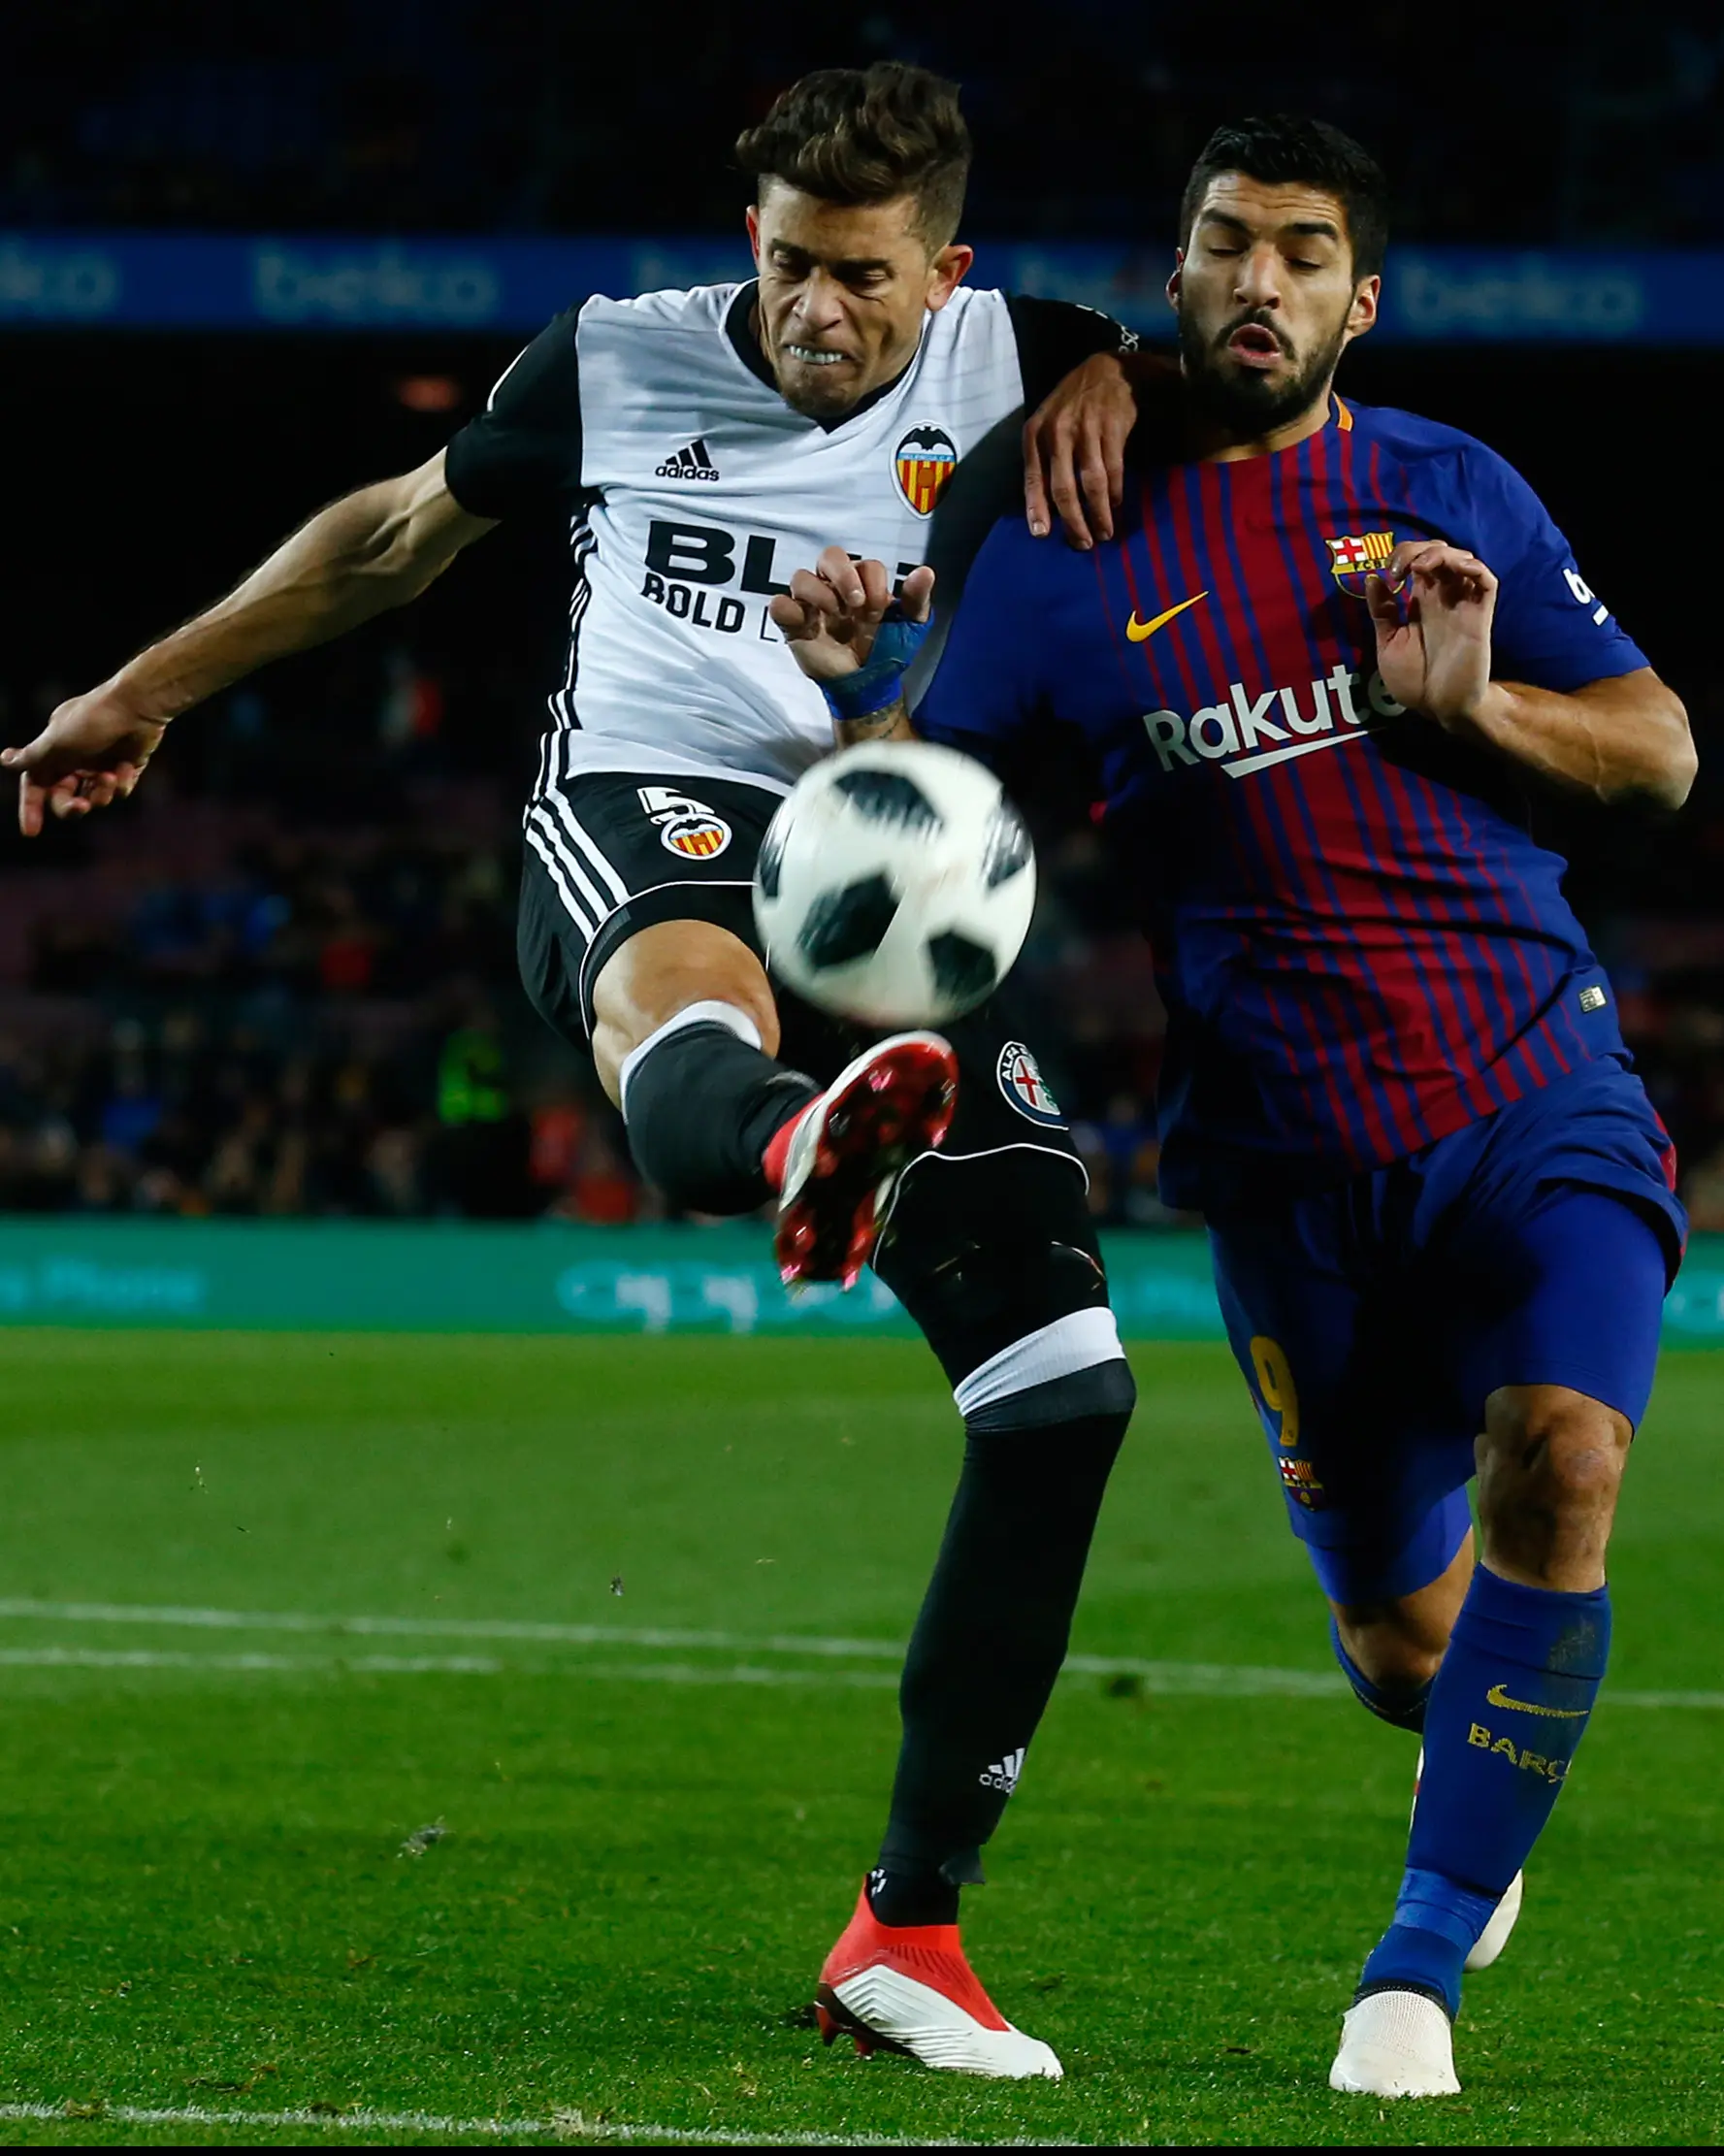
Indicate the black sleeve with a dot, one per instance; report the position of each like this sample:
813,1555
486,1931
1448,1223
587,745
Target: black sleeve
524,450
1055,336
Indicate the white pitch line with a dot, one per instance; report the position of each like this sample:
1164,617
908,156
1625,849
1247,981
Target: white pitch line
428,1665
1208,1680
448,1628
152,1658
1194,1680
561,2126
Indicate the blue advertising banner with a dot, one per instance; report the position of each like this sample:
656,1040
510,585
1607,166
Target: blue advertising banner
505,286
418,1277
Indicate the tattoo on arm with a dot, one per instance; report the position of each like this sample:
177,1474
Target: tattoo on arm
891,723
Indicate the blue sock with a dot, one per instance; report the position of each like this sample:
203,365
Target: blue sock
1507,1710
1405,1710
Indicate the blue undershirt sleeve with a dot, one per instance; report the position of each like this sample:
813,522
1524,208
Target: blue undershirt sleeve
988,682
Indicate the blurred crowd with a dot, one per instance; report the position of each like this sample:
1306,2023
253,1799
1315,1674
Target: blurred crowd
209,1006
282,981
532,114
313,1023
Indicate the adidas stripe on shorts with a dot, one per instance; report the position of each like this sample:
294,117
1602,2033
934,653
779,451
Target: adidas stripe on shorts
609,853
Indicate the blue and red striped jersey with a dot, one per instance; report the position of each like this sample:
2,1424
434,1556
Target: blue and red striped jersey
1360,943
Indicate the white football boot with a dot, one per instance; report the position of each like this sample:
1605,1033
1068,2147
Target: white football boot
1395,2044
1495,1936
910,1987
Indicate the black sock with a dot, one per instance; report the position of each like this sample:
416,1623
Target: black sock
987,1650
912,1894
700,1105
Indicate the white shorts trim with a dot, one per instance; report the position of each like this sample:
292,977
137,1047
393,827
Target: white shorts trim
1073,1343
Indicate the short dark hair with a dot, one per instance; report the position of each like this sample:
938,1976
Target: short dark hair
1285,148
853,135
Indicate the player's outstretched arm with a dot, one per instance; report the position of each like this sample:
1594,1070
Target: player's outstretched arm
371,550
856,640
1624,737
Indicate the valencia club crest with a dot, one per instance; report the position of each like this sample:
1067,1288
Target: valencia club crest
926,460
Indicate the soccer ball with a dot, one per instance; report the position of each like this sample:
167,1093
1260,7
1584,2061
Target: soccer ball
895,885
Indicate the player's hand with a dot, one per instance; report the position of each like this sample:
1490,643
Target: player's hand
93,750
1074,443
1432,610
832,612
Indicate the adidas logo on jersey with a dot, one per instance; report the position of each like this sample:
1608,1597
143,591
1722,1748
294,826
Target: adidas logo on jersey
695,462
1003,1773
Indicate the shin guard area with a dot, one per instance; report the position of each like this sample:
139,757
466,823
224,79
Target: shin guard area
702,1104
1507,1710
989,1643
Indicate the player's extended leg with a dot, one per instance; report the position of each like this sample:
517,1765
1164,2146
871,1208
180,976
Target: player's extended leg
685,1030
1516,1684
636,932
996,1259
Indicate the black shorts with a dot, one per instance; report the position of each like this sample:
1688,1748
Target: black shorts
609,853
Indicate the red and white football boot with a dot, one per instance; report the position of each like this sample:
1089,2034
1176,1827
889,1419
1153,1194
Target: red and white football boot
908,1988
836,1163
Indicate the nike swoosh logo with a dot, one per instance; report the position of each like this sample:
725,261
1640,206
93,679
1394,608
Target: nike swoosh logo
1137,630
1500,1698
1242,767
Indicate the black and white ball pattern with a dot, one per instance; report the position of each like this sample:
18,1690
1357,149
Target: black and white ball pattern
895,885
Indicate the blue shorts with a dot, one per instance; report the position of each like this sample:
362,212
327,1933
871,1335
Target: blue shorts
1374,1319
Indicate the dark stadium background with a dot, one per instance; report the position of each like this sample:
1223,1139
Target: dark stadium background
282,981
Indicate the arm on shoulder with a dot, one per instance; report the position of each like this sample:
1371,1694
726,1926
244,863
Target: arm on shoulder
1073,440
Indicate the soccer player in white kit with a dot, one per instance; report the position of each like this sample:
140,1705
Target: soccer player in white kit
703,446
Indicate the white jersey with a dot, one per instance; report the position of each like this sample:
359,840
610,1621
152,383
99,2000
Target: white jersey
693,491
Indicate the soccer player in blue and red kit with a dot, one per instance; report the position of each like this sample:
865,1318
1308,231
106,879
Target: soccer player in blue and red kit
1320,670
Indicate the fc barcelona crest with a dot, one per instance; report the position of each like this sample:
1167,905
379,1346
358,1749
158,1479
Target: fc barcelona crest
1358,555
925,459
1302,1483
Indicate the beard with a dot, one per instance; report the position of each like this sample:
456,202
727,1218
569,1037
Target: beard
1240,401
812,399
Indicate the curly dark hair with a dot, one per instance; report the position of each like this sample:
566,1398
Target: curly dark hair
853,135
1285,148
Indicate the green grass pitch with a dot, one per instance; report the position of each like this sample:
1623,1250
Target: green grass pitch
650,1838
